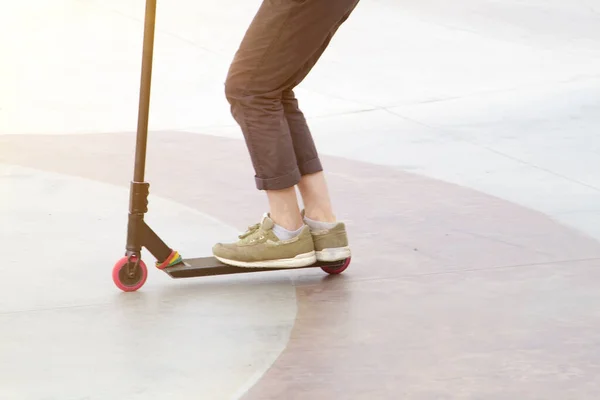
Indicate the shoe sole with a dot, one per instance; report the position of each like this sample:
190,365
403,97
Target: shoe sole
301,260
333,254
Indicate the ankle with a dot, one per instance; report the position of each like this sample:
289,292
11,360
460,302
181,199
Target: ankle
288,221
320,215
283,208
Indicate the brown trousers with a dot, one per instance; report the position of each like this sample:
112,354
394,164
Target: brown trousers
282,44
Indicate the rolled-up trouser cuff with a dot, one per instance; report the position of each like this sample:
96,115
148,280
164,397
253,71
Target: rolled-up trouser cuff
311,167
281,182
289,180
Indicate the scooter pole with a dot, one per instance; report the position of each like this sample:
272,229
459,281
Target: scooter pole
137,234
144,103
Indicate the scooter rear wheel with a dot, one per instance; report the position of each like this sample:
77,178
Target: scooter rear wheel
128,276
337,270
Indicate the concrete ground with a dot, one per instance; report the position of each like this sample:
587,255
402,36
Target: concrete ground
461,145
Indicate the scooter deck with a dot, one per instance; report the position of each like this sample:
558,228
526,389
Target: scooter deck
209,266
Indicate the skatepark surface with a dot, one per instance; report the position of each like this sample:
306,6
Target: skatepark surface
460,141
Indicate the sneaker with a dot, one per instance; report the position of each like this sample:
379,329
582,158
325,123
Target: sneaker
331,244
259,247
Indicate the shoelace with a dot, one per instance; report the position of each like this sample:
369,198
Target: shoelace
250,231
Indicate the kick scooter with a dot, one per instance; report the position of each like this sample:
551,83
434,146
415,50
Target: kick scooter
130,272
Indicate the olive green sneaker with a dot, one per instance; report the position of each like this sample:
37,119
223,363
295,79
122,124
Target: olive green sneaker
259,247
331,244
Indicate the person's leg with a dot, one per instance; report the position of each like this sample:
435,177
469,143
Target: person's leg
312,185
281,41
329,236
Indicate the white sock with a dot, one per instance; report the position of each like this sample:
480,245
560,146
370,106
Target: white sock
284,234
318,225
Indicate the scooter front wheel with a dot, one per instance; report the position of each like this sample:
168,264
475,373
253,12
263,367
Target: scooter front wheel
129,274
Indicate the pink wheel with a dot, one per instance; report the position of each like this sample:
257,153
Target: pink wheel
337,269
127,276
